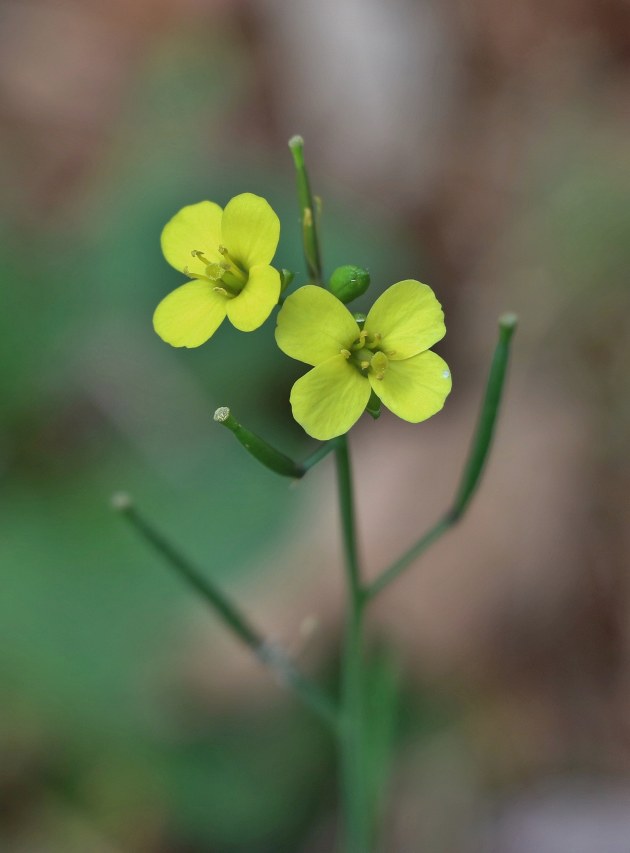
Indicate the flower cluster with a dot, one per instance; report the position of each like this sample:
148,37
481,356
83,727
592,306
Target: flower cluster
227,254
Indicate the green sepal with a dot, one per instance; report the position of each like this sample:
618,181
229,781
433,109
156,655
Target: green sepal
286,277
374,406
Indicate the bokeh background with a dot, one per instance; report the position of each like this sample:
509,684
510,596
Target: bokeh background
479,146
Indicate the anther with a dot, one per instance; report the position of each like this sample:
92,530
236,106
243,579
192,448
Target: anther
345,353
228,260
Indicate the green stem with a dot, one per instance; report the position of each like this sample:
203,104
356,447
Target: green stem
258,447
484,432
265,453
357,825
268,653
308,213
319,454
475,463
431,536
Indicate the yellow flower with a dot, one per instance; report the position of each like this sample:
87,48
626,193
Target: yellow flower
227,254
389,356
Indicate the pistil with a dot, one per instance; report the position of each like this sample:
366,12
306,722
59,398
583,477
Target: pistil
379,364
235,269
230,278
365,359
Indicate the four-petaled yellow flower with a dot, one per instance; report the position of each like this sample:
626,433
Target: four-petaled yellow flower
227,253
388,356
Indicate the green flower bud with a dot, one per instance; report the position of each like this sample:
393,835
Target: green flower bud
349,282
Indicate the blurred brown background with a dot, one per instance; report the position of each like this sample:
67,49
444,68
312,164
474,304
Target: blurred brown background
479,146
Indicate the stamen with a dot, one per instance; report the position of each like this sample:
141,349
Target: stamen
194,275
237,271
360,343
364,365
345,353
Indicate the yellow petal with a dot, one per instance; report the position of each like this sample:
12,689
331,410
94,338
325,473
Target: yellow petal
255,302
190,315
408,317
196,227
250,230
313,325
330,398
416,388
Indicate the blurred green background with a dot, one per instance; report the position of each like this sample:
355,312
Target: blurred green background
479,148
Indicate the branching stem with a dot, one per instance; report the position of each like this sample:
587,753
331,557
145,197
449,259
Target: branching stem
230,614
477,457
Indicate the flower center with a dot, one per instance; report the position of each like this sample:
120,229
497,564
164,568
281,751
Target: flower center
366,356
229,277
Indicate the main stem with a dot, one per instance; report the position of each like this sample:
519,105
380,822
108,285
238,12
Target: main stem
357,821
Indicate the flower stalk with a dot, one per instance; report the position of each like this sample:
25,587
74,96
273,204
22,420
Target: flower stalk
270,654
475,464
265,453
258,447
484,433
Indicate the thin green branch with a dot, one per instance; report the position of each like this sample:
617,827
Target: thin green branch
308,213
475,463
319,454
484,433
265,453
228,612
258,447
431,536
